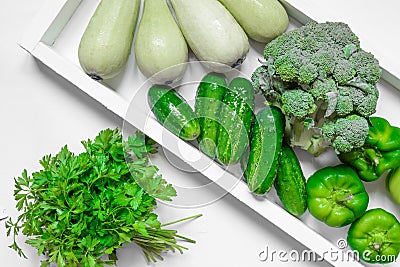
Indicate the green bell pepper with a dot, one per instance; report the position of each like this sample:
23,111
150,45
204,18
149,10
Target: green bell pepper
376,236
393,184
336,195
381,151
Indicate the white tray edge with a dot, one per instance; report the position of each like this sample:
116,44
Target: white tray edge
45,29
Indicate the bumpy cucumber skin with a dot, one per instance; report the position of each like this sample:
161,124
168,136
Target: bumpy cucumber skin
106,43
290,183
171,109
210,94
236,117
265,146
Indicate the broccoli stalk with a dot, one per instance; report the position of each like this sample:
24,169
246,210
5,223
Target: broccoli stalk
324,83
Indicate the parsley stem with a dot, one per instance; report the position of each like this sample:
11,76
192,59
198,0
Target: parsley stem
181,220
186,239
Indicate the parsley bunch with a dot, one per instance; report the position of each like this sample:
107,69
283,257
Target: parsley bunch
79,209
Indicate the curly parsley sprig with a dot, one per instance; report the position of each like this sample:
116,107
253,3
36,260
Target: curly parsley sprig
79,208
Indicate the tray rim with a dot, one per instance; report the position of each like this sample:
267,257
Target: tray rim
44,30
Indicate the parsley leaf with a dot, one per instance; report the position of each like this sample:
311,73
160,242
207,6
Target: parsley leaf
78,208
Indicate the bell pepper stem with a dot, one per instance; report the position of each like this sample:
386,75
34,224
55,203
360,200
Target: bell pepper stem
348,197
371,154
376,246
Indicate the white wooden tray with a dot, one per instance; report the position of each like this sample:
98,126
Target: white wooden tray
53,38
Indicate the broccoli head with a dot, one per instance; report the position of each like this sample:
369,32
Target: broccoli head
324,83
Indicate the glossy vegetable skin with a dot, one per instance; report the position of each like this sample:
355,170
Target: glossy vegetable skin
336,195
210,94
265,145
393,184
376,236
172,110
212,33
236,119
380,153
106,44
290,183
160,47
262,20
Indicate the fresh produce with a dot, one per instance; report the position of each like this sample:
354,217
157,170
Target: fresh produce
106,43
376,236
324,83
262,20
171,109
380,153
212,33
160,44
265,146
336,195
79,209
393,184
236,117
210,93
290,183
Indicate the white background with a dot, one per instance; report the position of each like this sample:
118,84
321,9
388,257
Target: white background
40,112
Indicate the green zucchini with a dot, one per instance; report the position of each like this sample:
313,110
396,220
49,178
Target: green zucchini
210,94
171,109
265,146
106,44
290,183
236,117
160,48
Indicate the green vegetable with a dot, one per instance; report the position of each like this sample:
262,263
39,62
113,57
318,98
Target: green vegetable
393,184
290,183
236,117
324,83
376,236
171,109
210,94
212,33
265,146
106,44
263,20
79,208
159,44
380,153
336,195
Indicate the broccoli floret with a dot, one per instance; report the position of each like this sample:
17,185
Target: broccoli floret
346,133
344,105
350,133
367,66
297,103
319,73
259,78
353,100
367,107
344,71
308,73
320,88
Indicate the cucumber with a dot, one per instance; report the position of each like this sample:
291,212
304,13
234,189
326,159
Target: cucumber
159,44
236,117
106,43
171,109
290,183
212,33
210,94
265,146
